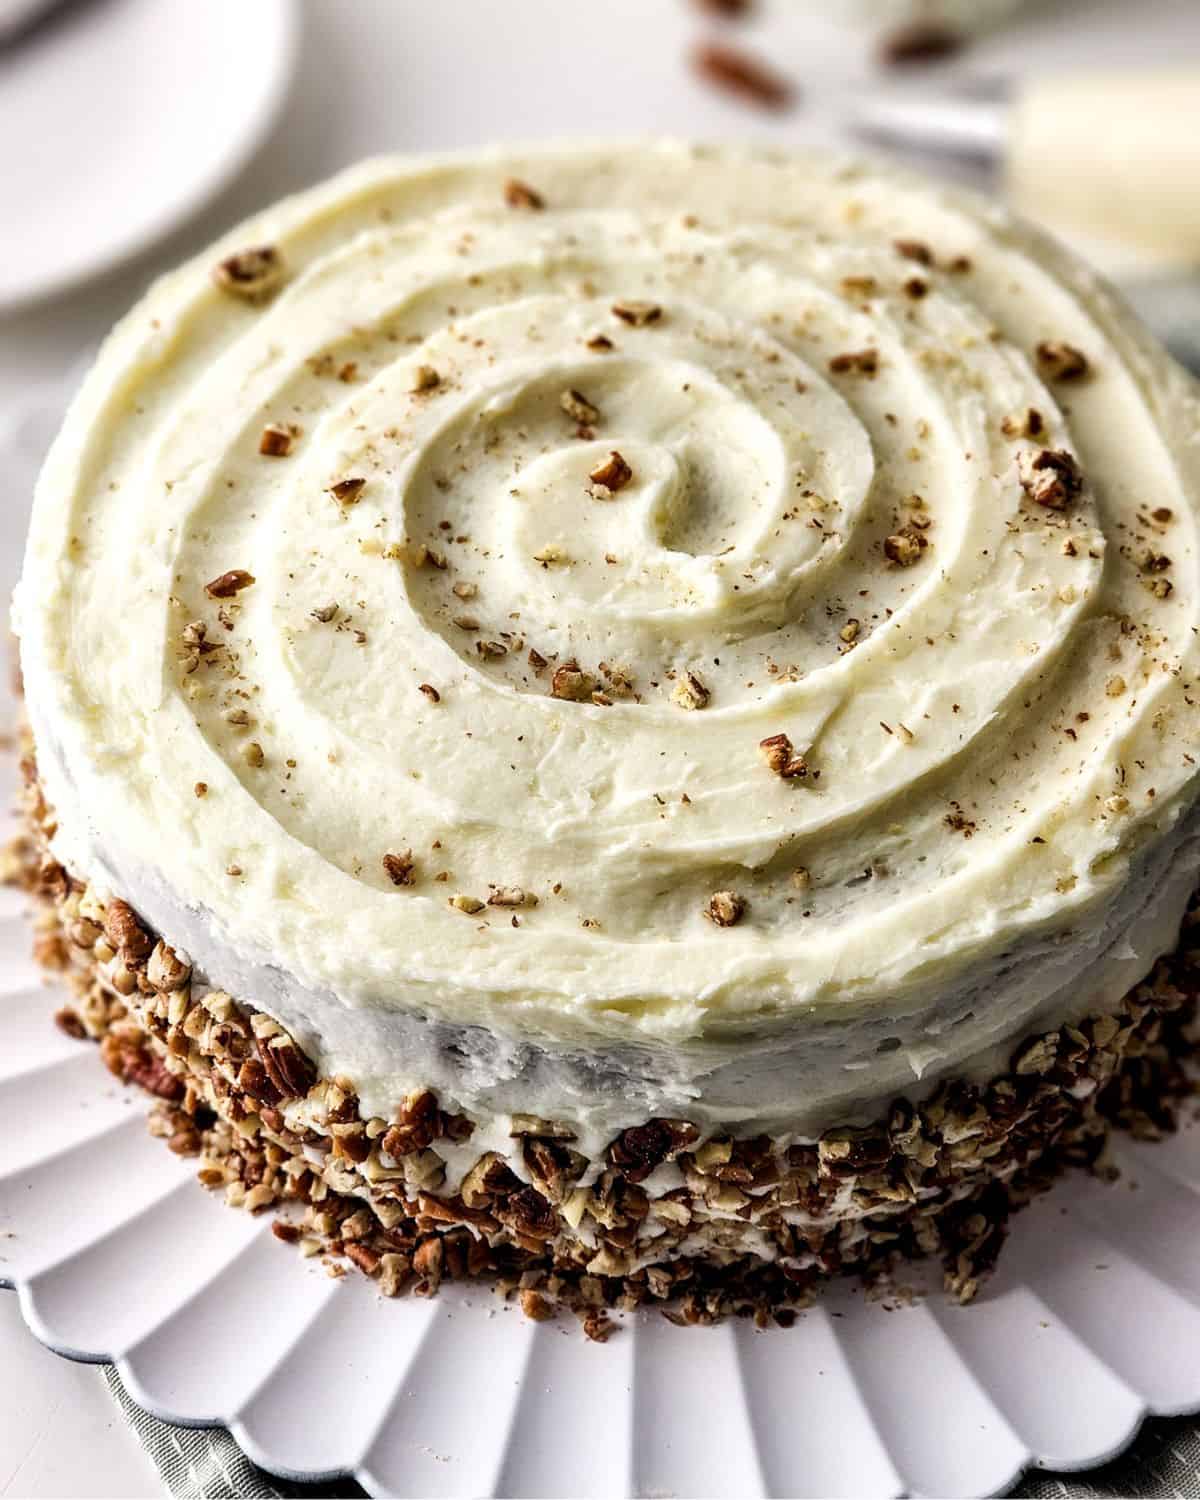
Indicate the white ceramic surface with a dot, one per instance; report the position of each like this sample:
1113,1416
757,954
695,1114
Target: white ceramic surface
179,94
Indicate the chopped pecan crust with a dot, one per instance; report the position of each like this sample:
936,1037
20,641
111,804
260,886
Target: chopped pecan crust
739,73
939,1176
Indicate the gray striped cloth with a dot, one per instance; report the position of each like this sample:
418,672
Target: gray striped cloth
204,1463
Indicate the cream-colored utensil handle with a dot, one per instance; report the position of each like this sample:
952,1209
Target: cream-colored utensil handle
1116,155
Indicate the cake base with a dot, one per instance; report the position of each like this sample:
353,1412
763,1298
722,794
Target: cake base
701,1227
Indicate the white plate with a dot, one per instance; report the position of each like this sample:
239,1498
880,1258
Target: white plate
117,1253
120,117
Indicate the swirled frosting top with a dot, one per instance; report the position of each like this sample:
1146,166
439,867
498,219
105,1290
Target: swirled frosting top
623,592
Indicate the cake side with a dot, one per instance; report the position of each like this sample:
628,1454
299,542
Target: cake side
700,1224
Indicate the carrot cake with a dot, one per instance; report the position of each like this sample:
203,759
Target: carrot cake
622,719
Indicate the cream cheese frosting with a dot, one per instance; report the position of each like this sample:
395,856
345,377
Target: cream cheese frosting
824,381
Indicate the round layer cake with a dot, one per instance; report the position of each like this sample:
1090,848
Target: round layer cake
629,709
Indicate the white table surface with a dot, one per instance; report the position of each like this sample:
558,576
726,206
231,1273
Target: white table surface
380,75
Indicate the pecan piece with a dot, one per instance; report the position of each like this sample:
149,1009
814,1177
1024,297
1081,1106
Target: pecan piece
530,1214
725,908
1051,478
637,314
252,274
400,868
690,692
418,1125
166,970
347,491
1058,360
613,474
287,1067
229,584
856,362
572,684
518,194
741,74
636,1152
579,408
126,934
781,756
902,549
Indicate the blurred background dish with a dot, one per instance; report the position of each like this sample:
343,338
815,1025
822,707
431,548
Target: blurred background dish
118,118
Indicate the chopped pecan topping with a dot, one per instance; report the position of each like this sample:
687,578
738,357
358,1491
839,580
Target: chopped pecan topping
430,692
400,868
902,549
781,756
253,754
572,684
914,250
600,343
690,692
325,614
613,474
253,274
1061,361
468,904
518,194
579,408
916,287
1030,424
1051,478
725,908
347,491
276,440
637,314
229,584
739,73
425,378
859,362
512,895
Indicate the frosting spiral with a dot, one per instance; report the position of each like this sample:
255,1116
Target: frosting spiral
623,596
